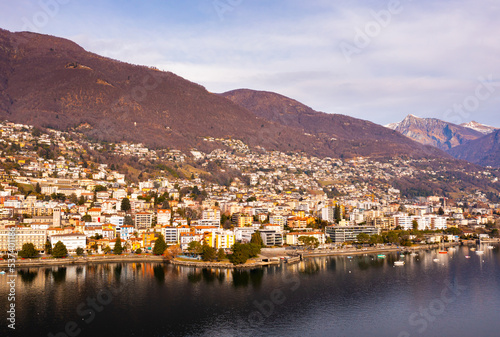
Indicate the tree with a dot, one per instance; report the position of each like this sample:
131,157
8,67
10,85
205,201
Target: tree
48,247
392,237
309,241
73,198
257,239
374,239
59,250
208,253
87,218
100,188
81,200
363,237
28,251
337,213
221,254
194,247
441,211
38,189
128,221
138,251
240,253
79,251
495,233
118,246
253,249
125,205
106,250
160,245
172,252
453,231
414,224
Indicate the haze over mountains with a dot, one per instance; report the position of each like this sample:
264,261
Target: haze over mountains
52,82
472,141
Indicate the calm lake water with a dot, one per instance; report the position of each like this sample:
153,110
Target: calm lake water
332,296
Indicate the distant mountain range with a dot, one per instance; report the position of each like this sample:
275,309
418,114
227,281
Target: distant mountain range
474,142
52,82
435,132
484,129
484,151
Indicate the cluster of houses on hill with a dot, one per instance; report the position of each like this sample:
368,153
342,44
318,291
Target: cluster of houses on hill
282,195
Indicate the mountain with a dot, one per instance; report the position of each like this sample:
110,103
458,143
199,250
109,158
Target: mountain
343,134
435,132
484,129
484,151
54,83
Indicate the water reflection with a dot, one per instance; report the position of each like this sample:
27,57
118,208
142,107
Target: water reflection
256,276
194,276
241,278
27,276
59,275
118,271
159,273
310,267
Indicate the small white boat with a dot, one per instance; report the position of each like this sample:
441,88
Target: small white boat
473,249
491,247
467,256
436,260
479,252
414,254
399,263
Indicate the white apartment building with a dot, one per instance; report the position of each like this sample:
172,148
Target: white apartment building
71,241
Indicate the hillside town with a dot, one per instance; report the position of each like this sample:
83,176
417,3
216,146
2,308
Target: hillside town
52,191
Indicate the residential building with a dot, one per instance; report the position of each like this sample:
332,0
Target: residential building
72,240
143,220
23,235
339,234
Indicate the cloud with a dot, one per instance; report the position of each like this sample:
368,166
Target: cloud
426,59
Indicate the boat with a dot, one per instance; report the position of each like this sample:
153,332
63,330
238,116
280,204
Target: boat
473,249
399,263
479,252
382,256
467,256
491,247
443,252
413,254
436,260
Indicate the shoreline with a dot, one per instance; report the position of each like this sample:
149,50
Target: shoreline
290,257
83,260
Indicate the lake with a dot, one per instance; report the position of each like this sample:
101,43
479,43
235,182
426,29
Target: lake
328,296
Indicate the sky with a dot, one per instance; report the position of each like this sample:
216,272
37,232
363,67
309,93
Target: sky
375,60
